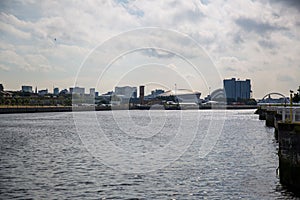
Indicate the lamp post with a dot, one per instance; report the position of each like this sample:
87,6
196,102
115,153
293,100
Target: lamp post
291,105
175,92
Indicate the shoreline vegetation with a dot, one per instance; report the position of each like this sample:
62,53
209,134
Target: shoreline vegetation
6,109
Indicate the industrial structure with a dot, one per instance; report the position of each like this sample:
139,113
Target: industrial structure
142,94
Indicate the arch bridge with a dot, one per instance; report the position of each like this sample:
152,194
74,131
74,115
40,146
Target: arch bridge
267,98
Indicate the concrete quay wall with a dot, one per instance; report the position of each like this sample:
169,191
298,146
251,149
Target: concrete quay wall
24,109
286,121
32,109
289,154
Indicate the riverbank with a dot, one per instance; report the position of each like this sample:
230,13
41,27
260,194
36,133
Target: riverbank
35,109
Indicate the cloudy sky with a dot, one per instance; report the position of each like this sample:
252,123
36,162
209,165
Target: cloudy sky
46,43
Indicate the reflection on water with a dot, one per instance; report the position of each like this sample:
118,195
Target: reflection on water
43,157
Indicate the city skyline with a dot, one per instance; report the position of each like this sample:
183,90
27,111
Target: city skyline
257,40
149,91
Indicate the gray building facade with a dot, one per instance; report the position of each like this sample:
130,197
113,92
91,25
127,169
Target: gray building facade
126,91
77,90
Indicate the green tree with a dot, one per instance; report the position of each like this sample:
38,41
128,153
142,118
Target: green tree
2,101
68,102
25,101
17,101
13,102
7,102
296,97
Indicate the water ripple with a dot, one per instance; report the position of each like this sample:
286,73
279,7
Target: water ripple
42,157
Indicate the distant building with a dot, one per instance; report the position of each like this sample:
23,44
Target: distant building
77,90
56,91
92,92
126,91
63,92
26,88
43,92
237,89
96,94
109,93
1,88
183,95
154,93
6,94
142,94
218,95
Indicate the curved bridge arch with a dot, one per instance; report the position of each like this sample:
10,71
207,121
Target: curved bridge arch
276,93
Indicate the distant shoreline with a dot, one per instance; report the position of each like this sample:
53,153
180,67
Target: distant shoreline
37,109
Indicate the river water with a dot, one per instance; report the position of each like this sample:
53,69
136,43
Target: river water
152,154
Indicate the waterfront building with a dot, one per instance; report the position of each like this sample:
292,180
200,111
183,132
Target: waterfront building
183,95
154,93
157,92
43,92
218,95
63,92
26,88
77,90
237,90
126,92
56,91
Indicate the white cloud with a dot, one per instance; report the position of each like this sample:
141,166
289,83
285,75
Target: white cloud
4,68
244,38
11,30
12,57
